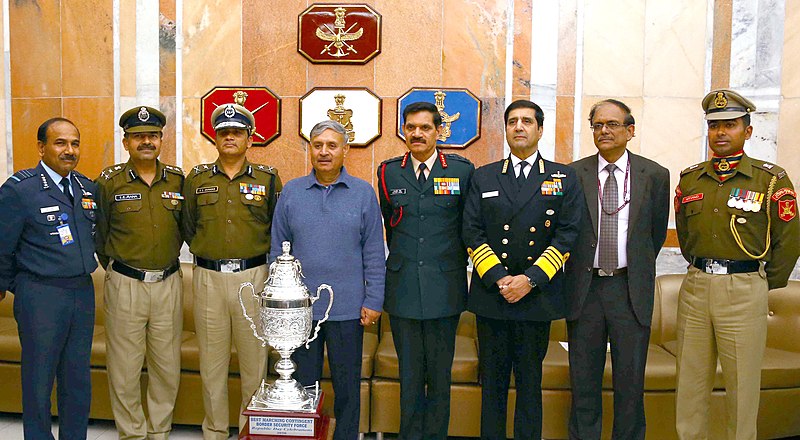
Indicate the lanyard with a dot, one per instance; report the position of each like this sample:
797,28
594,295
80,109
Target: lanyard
625,198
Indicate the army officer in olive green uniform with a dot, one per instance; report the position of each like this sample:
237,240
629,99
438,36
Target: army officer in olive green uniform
737,225
226,221
422,197
138,232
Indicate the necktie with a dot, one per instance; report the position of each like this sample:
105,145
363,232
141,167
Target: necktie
421,177
609,223
65,188
521,176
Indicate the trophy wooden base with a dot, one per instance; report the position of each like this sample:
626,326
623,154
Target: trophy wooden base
286,425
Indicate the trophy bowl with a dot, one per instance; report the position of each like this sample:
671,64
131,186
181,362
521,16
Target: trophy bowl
284,322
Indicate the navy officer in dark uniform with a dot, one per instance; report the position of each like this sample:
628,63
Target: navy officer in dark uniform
422,197
47,222
521,220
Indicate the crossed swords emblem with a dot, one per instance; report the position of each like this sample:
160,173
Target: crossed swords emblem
338,37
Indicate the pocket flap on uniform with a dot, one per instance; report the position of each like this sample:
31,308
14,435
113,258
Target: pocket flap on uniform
128,206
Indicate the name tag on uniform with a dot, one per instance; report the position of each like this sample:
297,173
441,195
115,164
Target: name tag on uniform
446,185
47,209
397,191
490,194
206,190
124,197
65,234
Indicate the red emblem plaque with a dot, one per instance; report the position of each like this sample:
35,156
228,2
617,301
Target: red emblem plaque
787,209
265,106
339,33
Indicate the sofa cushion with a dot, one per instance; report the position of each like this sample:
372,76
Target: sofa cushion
465,360
10,349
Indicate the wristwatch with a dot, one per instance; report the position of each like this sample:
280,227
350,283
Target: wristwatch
531,282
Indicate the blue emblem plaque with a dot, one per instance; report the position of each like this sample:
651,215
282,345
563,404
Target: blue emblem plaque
460,111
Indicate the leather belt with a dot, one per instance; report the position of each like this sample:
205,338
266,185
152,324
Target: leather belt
148,276
614,273
231,265
725,267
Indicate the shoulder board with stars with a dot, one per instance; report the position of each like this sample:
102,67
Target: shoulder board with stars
265,168
77,174
112,171
393,159
21,175
771,168
692,168
203,167
453,156
173,169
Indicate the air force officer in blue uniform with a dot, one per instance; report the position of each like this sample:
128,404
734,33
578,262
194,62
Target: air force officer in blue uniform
46,255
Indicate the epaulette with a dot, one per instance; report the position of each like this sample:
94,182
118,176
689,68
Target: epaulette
173,169
457,157
769,167
21,175
692,168
265,168
77,174
392,159
203,167
112,171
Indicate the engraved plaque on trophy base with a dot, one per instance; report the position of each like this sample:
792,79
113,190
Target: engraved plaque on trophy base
273,425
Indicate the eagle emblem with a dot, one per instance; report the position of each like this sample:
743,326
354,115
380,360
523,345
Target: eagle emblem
337,37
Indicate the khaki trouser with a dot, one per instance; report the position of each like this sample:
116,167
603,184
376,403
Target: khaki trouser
219,321
725,316
143,321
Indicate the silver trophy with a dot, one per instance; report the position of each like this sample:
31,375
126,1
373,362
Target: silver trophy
284,322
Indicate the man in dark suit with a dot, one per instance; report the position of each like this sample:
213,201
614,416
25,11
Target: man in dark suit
47,222
422,197
521,220
611,276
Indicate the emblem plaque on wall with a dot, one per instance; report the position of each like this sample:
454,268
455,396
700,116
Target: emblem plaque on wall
460,111
339,33
356,108
262,103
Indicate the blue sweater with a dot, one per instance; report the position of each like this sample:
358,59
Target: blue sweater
337,234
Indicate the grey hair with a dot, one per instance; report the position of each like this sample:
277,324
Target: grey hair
329,125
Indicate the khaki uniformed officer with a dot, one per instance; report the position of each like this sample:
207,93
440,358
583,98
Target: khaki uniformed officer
737,225
226,221
138,232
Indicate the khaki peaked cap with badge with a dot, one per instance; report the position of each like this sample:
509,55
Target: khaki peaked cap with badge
230,218
139,224
751,215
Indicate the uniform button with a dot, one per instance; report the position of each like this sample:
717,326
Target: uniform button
530,258
229,221
422,217
155,226
588,269
716,210
504,241
504,255
720,184
506,227
771,313
505,267
422,196
593,245
422,240
421,263
715,235
230,201
533,229
530,243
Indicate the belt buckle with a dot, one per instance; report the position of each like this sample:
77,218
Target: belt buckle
602,273
153,277
230,266
714,267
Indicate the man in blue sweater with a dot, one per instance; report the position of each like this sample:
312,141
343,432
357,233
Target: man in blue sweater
333,221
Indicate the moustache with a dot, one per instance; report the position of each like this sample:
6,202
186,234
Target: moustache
67,157
146,147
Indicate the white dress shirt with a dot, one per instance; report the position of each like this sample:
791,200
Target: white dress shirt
516,161
428,164
622,226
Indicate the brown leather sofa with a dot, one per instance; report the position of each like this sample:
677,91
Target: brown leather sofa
780,395
189,405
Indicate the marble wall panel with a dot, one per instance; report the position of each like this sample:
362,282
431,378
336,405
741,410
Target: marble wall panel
87,67
675,48
388,145
567,45
787,134
127,47
41,78
721,45
212,46
28,115
564,135
613,49
409,61
94,117
287,153
196,148
474,46
167,77
756,43
269,46
489,148
168,151
790,66
521,65
340,75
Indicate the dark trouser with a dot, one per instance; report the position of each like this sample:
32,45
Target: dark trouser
425,355
344,340
55,320
504,345
607,314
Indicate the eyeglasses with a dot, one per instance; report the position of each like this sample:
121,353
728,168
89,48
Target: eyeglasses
610,125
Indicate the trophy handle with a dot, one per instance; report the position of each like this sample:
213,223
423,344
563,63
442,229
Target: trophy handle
244,311
327,311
